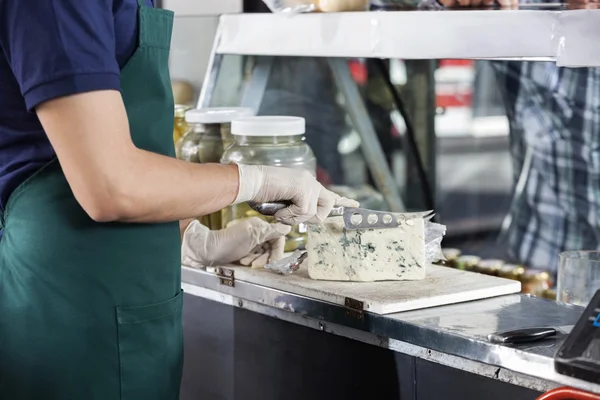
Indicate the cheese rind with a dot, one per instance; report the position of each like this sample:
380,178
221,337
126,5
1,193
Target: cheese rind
337,254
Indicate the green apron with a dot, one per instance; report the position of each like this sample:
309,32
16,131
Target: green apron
93,310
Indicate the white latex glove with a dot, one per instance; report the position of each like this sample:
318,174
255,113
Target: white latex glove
311,201
250,241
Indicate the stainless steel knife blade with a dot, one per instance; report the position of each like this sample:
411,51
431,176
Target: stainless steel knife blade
354,218
361,218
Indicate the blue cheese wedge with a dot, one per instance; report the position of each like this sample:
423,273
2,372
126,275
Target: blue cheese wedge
337,254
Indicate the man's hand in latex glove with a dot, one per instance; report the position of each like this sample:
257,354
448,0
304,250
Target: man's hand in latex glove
250,241
311,202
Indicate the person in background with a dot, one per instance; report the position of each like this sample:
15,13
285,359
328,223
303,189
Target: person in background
554,116
92,196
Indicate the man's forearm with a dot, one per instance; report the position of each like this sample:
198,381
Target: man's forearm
115,181
166,189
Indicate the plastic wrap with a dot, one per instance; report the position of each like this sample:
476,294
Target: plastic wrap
287,265
434,233
303,6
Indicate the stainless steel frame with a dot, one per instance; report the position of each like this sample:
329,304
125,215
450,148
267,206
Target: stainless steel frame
212,74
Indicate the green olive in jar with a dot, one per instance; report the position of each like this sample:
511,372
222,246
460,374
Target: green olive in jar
535,282
451,256
489,267
550,294
511,271
467,262
180,127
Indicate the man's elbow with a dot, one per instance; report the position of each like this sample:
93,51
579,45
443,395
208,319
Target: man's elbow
106,210
103,212
107,205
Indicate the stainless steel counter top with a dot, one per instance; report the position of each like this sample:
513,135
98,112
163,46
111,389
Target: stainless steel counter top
454,335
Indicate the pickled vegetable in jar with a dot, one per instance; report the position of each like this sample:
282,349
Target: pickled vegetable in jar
203,143
451,256
272,141
180,126
550,294
535,282
511,271
489,267
467,263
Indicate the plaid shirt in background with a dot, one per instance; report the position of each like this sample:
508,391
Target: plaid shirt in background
554,118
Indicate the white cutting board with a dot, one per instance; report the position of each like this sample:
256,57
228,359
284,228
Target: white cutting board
442,286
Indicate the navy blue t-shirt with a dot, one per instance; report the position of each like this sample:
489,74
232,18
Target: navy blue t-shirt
51,49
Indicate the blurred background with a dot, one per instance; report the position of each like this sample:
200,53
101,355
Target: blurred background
468,163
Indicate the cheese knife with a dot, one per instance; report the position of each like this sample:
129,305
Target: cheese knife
527,335
354,218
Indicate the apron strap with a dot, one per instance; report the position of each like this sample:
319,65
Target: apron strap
159,36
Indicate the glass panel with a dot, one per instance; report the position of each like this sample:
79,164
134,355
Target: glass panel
467,159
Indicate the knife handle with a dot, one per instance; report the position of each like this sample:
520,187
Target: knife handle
271,208
522,335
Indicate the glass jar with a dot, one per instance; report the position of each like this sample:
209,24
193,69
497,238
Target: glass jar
208,133
550,294
467,263
180,127
535,282
272,141
578,276
490,267
451,256
511,271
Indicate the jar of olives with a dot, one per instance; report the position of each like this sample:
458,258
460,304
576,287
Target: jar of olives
209,133
511,271
274,141
535,282
204,142
180,127
467,262
490,267
550,294
451,256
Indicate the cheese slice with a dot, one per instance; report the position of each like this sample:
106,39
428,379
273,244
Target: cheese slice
337,254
